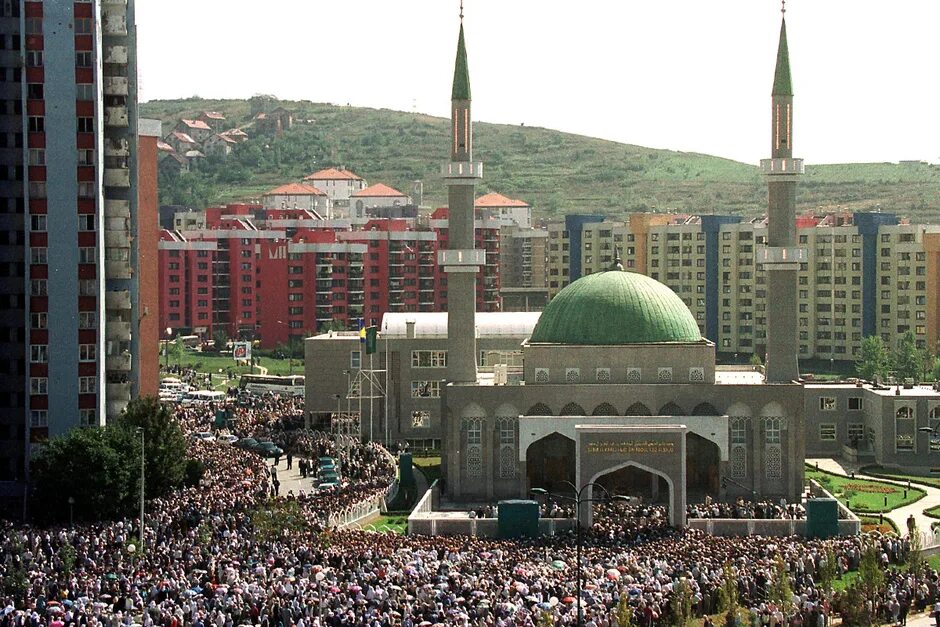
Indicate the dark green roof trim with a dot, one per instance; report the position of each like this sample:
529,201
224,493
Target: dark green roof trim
782,84
461,89
615,308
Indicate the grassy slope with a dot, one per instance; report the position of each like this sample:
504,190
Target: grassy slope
556,172
866,495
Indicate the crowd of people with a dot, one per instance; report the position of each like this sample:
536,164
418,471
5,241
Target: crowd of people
742,508
203,562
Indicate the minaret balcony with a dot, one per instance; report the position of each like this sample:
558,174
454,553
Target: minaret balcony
780,166
469,171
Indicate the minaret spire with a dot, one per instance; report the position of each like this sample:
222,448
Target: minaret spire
462,260
782,257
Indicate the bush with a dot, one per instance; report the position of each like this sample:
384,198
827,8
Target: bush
195,469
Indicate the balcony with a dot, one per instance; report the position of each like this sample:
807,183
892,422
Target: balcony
118,363
118,330
114,20
117,299
114,177
117,239
117,269
115,408
118,392
116,147
115,54
115,116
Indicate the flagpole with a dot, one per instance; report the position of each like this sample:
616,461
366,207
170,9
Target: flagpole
387,367
371,394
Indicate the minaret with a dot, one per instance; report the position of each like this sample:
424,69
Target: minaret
782,258
461,261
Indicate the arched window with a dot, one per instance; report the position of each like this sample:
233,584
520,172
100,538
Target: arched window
572,409
705,409
539,409
671,409
773,451
638,409
605,409
904,429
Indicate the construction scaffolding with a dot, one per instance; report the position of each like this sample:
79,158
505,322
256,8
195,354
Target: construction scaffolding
365,385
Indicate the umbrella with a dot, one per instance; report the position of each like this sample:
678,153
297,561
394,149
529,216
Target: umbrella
613,574
559,565
568,600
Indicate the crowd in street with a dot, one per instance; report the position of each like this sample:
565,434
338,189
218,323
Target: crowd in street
742,508
204,564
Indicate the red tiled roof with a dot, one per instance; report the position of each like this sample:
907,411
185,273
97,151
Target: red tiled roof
378,190
197,124
225,138
295,189
234,132
333,174
183,137
498,200
162,145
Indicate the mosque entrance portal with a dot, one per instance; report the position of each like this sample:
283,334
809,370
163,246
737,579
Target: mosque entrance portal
702,463
551,463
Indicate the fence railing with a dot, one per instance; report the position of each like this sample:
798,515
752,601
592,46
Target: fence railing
366,508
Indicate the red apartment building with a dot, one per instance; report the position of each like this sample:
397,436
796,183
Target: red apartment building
281,274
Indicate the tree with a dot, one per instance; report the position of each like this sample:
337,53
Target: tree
164,444
623,613
873,359
220,338
728,595
756,360
907,359
780,592
278,518
681,603
870,574
915,557
96,467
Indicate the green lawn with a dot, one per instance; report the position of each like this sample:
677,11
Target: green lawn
862,495
390,523
204,362
890,473
933,512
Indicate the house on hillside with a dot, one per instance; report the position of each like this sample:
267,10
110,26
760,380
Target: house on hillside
197,129
181,142
275,121
171,163
376,197
214,119
298,196
338,183
219,145
235,133
508,211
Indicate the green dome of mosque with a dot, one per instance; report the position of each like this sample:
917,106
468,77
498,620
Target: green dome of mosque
615,307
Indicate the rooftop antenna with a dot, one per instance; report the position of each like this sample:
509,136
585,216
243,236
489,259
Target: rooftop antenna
461,11
783,6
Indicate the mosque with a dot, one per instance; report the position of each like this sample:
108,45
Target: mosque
619,387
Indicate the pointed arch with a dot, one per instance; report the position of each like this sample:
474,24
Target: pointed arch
605,409
638,409
671,409
705,409
572,409
539,409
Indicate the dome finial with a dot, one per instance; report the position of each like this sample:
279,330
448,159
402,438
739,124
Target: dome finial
783,6
617,265
461,10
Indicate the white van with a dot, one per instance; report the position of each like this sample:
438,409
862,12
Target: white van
201,397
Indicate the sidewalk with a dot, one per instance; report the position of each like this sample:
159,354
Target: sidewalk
900,515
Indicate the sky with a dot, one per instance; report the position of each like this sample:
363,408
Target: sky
677,74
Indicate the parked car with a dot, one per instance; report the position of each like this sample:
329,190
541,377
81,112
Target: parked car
269,449
249,444
205,436
227,439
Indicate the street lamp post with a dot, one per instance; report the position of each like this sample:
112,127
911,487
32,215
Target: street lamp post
142,458
166,350
71,506
579,500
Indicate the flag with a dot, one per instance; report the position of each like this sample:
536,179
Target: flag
372,337
362,332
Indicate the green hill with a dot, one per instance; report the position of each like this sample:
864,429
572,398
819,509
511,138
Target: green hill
554,171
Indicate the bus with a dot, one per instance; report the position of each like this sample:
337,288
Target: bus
287,385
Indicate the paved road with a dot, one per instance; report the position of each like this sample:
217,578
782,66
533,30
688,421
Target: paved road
900,515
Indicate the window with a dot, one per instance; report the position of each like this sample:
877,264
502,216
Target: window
772,430
904,429
86,254
827,403
37,287
87,385
34,91
84,91
34,26
827,432
39,385
34,58
739,431
82,25
37,124
425,389
87,417
37,156
855,403
420,419
38,254
86,157
355,359
87,320
87,352
89,287
86,125
428,359
37,222
39,353
38,418
39,320
475,432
